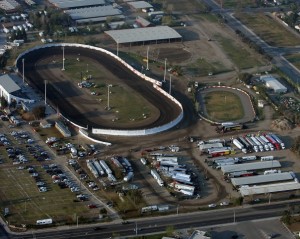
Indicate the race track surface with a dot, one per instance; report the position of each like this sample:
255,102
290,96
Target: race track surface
80,107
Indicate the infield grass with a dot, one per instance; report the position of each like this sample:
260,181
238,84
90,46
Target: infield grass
127,104
268,29
223,106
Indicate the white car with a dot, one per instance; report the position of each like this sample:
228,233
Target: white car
224,203
212,205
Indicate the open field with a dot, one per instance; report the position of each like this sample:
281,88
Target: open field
223,106
294,59
237,3
26,204
276,35
242,58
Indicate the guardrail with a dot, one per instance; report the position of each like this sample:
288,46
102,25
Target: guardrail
156,84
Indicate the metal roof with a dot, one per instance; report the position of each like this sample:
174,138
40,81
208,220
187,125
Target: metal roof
250,166
142,21
271,188
9,85
274,177
143,34
63,4
97,19
140,4
91,12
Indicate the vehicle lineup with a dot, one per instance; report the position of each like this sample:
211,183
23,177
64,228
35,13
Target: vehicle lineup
131,118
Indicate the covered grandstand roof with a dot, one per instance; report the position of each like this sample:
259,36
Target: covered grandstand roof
93,12
140,4
64,4
7,82
144,34
274,177
271,188
250,166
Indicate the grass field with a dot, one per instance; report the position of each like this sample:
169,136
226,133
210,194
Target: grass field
128,104
294,59
19,193
223,106
268,29
202,67
237,3
239,55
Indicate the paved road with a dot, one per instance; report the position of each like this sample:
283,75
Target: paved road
159,224
276,53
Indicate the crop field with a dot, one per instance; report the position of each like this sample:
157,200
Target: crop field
260,23
294,59
223,106
241,57
19,193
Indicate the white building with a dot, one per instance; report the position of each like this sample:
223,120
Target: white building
273,84
11,91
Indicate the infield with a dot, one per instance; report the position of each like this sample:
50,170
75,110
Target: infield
223,106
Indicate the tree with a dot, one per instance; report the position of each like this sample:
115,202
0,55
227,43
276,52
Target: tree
169,230
286,217
39,112
4,103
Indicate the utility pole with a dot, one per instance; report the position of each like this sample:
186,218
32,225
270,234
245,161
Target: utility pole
63,68
136,229
170,84
270,194
177,209
165,74
108,93
45,92
233,216
23,70
117,47
147,59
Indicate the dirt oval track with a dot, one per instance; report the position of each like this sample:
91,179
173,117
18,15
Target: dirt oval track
80,107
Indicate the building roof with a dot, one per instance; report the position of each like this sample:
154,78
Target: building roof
93,12
142,21
274,177
98,19
251,166
273,83
63,4
140,4
143,34
7,82
271,188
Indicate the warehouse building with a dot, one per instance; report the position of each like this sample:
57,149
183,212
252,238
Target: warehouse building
138,5
271,188
273,84
94,14
148,35
262,179
69,4
250,166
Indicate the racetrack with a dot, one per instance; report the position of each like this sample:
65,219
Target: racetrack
79,106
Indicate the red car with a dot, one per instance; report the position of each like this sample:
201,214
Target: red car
92,206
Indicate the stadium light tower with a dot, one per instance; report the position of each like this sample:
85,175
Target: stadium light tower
23,60
108,93
165,74
63,68
147,59
170,84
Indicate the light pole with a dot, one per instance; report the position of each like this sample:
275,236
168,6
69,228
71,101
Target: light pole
108,93
63,68
117,47
165,74
87,68
147,59
45,92
177,209
136,229
77,217
23,70
170,84
233,216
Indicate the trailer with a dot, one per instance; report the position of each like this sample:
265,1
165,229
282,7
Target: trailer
270,145
273,141
166,158
240,174
220,151
278,140
267,158
261,148
128,177
262,142
226,127
244,142
239,145
98,167
92,168
105,167
248,158
156,176
254,146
